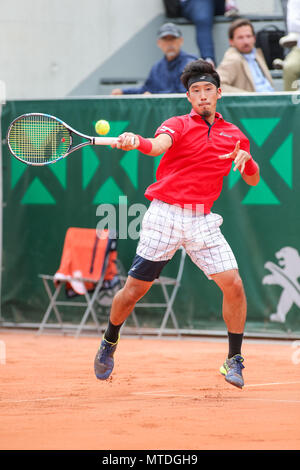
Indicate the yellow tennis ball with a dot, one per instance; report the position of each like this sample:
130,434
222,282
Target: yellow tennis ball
102,127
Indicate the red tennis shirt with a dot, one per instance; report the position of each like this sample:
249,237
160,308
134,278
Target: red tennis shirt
190,172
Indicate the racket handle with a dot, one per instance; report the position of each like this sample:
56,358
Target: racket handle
105,140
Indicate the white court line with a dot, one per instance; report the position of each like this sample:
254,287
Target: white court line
161,394
272,400
32,400
171,394
272,383
158,392
177,395
165,395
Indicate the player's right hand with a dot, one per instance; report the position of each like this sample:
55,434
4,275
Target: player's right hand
127,141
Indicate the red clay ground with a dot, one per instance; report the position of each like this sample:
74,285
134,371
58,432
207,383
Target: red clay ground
164,394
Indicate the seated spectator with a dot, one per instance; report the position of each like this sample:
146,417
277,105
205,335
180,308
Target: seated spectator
165,74
201,13
243,68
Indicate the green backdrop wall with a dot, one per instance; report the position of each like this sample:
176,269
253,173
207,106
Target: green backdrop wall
261,223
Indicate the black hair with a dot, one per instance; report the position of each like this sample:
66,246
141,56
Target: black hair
197,68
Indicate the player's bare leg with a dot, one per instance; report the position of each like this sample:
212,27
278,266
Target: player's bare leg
234,299
126,298
234,314
122,306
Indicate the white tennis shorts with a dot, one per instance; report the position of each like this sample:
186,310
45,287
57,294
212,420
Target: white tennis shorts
165,228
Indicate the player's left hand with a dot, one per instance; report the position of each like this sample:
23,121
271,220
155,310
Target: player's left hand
239,157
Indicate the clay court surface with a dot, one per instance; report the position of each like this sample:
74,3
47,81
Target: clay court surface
163,394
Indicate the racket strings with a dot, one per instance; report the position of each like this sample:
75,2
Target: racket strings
39,139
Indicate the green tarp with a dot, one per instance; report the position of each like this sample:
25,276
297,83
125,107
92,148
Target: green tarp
262,223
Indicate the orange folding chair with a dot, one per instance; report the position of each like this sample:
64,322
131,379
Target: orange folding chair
88,265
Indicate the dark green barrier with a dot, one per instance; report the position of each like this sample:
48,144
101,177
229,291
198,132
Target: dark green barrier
259,222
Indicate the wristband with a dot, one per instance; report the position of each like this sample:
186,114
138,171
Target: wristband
251,167
145,146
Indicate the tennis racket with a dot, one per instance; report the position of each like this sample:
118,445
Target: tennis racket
40,139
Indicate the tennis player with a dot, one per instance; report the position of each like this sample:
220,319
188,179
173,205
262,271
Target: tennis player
199,149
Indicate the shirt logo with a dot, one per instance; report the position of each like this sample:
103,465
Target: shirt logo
165,128
225,135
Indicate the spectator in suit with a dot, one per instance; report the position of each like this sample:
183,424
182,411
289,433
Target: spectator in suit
243,68
165,74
